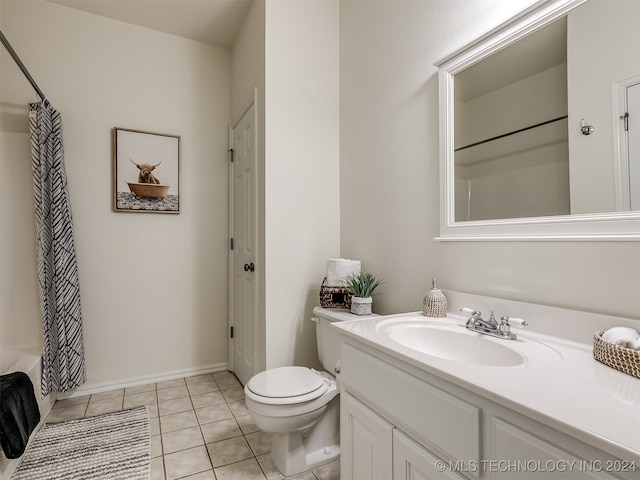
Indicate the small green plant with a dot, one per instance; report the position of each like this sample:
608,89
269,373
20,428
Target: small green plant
362,284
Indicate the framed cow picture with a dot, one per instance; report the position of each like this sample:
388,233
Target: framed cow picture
146,171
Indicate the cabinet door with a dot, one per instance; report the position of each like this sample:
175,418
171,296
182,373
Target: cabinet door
412,462
366,442
518,454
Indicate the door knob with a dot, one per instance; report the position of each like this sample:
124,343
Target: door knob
249,267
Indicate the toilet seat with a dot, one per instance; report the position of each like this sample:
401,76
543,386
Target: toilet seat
286,385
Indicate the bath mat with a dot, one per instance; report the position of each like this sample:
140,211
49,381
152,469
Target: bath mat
114,446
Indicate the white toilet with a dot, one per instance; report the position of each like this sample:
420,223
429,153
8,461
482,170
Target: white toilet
299,406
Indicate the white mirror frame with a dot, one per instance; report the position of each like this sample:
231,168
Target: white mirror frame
616,226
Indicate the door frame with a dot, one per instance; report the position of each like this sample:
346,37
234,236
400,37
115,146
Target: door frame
252,101
620,146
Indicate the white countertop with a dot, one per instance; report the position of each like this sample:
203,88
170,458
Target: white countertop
560,384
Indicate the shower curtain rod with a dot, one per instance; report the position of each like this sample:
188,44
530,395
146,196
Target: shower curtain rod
16,59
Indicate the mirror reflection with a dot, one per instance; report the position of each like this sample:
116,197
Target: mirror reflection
544,126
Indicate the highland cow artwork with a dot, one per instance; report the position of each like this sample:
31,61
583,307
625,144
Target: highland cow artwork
146,171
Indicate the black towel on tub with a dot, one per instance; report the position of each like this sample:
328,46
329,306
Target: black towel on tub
19,413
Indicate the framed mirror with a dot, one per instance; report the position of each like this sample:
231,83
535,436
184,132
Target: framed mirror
536,134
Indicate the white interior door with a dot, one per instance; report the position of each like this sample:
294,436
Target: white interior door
243,257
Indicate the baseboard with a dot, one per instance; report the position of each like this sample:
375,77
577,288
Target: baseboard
90,388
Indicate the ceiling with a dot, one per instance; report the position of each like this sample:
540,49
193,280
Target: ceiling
532,54
215,22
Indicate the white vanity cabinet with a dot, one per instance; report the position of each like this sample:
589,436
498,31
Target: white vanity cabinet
366,441
399,421
372,448
378,444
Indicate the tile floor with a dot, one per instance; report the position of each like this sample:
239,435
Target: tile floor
200,429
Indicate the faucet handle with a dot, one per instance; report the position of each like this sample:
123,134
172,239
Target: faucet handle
504,326
470,311
518,322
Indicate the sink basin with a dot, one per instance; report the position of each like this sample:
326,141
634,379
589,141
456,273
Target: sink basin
451,342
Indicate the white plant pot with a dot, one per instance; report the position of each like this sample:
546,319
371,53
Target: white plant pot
361,305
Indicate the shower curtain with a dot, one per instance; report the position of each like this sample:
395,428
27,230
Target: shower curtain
63,365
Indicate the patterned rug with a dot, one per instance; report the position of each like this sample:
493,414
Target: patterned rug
114,446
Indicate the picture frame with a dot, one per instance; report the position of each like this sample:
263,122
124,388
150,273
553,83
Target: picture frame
146,171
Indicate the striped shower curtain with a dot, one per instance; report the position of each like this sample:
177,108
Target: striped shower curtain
63,361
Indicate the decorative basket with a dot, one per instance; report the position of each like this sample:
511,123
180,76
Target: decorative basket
334,297
626,360
434,303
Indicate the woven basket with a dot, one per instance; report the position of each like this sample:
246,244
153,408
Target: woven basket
626,360
434,304
334,296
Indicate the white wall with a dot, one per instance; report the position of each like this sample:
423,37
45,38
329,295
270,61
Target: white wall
531,183
248,59
302,200
20,318
389,173
506,176
531,100
154,287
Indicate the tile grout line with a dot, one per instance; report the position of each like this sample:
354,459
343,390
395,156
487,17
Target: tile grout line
204,441
164,465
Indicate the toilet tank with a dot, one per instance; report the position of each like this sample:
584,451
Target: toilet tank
328,338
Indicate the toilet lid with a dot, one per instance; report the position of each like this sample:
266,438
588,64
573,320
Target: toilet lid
284,382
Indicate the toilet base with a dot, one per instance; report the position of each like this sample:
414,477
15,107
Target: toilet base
290,459
297,452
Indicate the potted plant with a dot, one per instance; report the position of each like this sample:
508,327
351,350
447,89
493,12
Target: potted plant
361,286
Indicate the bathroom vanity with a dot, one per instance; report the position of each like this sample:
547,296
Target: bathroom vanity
417,402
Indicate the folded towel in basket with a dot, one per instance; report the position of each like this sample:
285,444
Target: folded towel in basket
19,413
623,336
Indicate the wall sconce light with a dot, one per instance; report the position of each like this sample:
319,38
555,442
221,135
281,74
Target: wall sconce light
584,128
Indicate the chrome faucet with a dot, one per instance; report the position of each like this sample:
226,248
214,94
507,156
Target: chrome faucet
476,323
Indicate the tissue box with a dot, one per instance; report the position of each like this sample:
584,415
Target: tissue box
334,297
626,360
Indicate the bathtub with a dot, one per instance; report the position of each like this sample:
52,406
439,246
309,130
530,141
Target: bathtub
28,360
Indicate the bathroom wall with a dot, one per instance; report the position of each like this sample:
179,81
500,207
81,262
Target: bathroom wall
154,287
301,183
496,169
389,173
20,318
